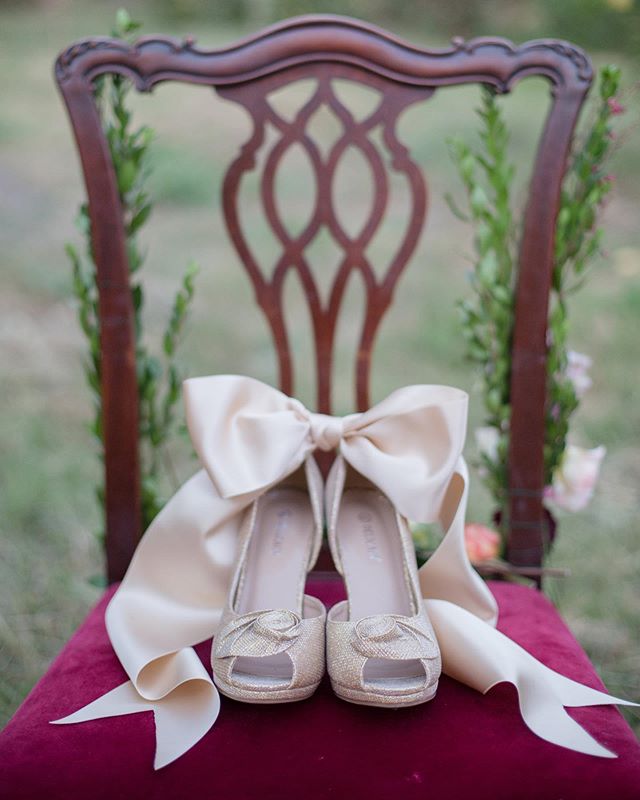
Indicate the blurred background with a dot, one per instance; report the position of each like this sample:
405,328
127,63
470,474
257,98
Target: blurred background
50,554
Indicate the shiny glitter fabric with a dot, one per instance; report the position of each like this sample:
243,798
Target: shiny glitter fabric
390,636
266,633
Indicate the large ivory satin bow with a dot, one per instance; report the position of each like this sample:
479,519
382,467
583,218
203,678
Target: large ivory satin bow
250,436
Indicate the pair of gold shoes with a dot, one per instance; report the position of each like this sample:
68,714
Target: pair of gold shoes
274,640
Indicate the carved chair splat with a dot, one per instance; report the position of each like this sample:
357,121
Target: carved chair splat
269,294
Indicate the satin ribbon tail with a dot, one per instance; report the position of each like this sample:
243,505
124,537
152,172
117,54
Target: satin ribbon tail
182,718
479,656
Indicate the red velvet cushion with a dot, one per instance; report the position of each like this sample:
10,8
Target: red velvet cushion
460,745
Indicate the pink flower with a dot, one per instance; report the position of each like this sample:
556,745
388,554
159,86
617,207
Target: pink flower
615,107
578,366
575,479
481,543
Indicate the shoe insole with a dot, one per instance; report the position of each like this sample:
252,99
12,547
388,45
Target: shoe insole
274,572
374,571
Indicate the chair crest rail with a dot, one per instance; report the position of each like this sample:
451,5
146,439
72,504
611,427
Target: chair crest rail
315,38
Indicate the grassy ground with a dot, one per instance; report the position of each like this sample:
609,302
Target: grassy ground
47,463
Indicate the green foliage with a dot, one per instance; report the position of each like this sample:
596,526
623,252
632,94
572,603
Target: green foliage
577,241
605,25
597,25
487,317
158,377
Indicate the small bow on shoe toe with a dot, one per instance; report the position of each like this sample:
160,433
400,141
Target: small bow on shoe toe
270,656
259,634
394,637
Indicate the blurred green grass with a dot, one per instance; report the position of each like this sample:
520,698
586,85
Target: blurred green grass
48,466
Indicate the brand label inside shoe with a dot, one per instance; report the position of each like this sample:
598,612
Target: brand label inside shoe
283,518
369,535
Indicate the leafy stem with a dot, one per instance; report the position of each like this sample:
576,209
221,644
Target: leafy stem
488,315
158,378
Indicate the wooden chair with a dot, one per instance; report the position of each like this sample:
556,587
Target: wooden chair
461,744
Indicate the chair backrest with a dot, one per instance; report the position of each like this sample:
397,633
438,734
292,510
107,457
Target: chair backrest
325,48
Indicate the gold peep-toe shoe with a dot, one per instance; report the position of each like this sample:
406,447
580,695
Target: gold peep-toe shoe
270,646
381,648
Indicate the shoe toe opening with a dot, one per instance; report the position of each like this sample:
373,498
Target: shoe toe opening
273,672
384,673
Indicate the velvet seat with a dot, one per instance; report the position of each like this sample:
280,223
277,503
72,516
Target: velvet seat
460,745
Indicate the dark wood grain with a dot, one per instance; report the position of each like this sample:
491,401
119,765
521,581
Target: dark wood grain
323,48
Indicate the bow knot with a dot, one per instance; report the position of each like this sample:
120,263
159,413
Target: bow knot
325,431
394,637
